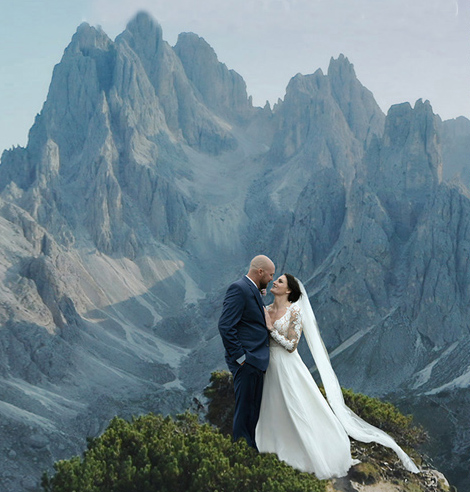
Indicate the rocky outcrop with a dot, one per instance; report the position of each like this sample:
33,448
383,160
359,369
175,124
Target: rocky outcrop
314,104
455,137
445,411
316,151
406,168
430,481
357,103
184,111
222,90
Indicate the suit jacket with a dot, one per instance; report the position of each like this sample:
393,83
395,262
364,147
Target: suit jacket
242,326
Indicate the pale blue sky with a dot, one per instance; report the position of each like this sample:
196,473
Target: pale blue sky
402,50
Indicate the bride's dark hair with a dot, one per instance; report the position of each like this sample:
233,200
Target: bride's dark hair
294,287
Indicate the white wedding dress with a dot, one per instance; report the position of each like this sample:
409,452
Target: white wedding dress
296,422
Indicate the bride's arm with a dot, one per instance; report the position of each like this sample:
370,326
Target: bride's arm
294,330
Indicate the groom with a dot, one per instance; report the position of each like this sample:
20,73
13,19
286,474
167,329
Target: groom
242,327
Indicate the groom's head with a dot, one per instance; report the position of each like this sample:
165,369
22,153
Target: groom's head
261,271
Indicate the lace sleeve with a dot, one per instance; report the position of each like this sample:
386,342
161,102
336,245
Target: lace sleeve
290,339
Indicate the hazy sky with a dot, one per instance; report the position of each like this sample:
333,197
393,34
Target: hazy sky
402,50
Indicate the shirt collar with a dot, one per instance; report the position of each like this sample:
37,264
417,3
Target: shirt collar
257,288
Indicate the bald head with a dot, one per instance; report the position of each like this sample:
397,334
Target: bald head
261,261
261,271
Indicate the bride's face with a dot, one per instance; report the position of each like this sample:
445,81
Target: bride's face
280,286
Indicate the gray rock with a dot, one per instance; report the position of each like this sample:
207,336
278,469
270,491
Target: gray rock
455,137
184,111
222,90
37,441
357,103
407,167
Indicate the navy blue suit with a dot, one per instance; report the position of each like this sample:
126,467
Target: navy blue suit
242,327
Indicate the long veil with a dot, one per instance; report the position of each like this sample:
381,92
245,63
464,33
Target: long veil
355,427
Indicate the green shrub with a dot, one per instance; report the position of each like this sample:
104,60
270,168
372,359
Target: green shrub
153,453
221,400
387,417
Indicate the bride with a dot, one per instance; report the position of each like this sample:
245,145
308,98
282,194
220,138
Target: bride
296,422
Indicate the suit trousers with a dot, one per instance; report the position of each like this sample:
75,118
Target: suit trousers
248,386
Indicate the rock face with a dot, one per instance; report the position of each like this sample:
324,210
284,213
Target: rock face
148,183
455,136
222,90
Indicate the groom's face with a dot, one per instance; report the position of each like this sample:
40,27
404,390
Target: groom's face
266,276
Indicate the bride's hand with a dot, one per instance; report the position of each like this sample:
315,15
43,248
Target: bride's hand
269,323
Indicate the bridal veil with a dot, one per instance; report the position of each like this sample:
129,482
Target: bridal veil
355,427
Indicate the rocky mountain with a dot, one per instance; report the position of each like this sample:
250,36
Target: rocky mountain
149,181
455,138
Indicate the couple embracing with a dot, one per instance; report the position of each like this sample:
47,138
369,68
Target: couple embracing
278,406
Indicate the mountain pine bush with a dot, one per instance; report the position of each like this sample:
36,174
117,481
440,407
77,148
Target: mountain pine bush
152,453
155,453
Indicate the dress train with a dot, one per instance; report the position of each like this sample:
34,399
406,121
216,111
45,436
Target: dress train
296,421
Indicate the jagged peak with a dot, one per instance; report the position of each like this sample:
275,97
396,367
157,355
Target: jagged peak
193,39
304,83
405,108
87,37
399,109
423,106
421,123
194,46
341,62
144,27
341,66
222,90
191,42
461,120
